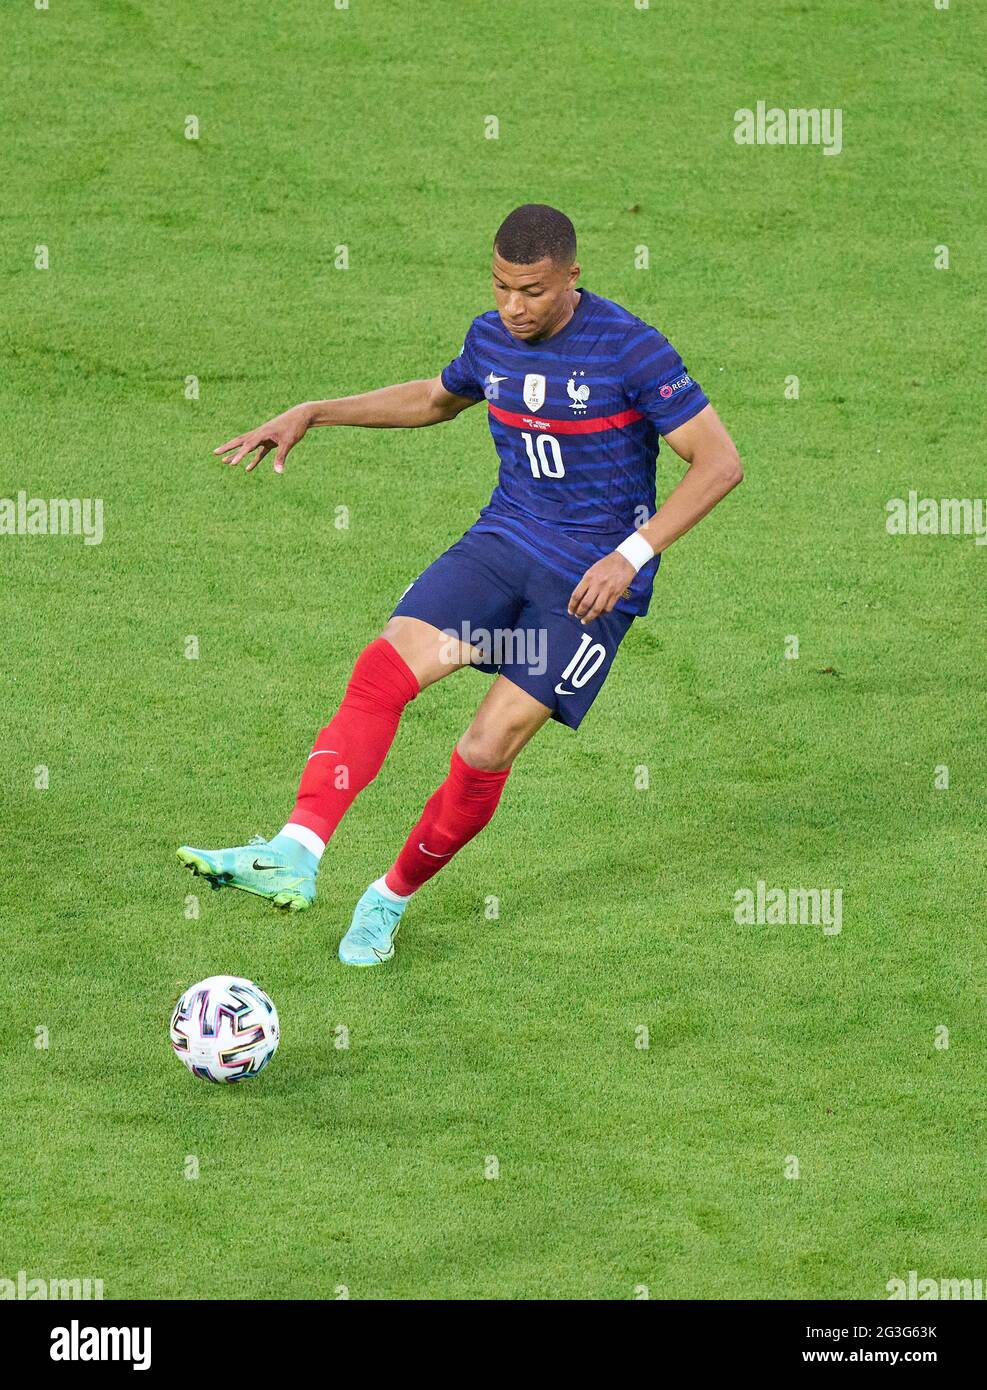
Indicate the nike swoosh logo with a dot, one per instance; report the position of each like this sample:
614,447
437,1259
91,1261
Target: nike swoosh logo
431,853
560,691
491,378
267,866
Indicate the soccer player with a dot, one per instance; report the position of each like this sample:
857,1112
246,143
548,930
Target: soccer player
539,591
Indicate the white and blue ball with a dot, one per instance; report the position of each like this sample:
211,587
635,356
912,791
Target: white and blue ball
225,1029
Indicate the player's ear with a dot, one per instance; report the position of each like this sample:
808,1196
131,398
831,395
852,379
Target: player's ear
574,274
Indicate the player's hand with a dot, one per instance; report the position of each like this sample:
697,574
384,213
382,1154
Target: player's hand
282,433
600,587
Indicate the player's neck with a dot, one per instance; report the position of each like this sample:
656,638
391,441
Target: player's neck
571,304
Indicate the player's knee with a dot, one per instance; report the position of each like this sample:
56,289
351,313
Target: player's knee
401,636
489,750
392,631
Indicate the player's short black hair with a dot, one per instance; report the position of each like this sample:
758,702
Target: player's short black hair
534,231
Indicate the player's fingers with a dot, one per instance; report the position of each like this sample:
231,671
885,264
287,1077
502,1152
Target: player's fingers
586,605
599,605
280,457
262,453
575,598
230,444
247,447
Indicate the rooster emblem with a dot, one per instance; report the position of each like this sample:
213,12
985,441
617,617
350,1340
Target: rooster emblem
578,395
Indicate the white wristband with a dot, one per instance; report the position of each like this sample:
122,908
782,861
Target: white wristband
636,550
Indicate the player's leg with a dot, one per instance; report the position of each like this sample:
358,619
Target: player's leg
454,814
556,668
419,646
348,753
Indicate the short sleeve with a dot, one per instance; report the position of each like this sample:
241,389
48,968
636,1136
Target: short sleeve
461,377
657,383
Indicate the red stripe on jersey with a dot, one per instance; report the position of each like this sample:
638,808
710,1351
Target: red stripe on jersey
591,426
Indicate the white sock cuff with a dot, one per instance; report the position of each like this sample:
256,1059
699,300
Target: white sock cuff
305,837
382,888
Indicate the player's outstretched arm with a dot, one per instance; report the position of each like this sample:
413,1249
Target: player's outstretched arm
714,470
408,405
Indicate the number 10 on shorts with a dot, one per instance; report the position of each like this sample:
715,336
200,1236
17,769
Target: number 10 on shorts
585,662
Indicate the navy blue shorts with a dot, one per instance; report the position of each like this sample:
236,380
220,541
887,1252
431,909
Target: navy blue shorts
487,591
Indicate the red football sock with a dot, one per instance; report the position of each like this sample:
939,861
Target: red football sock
453,814
350,750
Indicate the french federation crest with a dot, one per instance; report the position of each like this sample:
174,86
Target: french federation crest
578,395
534,391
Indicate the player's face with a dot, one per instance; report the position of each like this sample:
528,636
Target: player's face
533,300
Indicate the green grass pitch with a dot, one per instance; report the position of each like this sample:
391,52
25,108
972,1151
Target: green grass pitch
621,1168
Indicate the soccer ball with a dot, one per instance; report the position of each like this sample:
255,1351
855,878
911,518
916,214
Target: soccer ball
225,1029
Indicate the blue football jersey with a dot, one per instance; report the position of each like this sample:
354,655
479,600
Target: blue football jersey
576,420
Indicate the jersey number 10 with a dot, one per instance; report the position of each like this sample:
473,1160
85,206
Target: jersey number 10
544,455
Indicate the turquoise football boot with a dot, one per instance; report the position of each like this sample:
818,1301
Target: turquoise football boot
370,939
282,876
